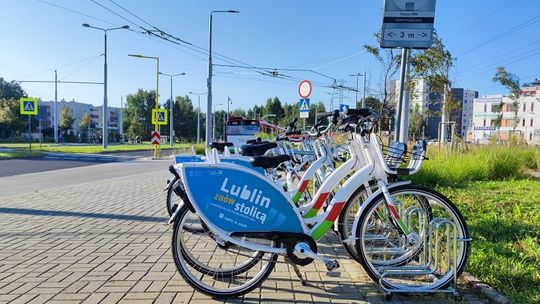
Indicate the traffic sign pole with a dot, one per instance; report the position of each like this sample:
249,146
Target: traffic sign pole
30,131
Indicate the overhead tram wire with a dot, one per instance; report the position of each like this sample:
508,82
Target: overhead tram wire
60,66
480,20
77,12
79,68
506,63
163,34
485,62
167,37
503,34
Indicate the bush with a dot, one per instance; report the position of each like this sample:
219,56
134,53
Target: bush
481,163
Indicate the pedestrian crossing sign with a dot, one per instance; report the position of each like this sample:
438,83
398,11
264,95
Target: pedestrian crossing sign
160,117
304,107
28,106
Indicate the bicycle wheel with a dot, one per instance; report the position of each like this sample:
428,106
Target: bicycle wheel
437,249
172,198
213,267
350,210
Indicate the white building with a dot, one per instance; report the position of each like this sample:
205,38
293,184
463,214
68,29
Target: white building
488,109
419,99
529,113
464,117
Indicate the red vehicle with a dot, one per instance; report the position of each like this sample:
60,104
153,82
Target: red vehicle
241,129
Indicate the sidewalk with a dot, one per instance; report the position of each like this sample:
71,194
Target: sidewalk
106,242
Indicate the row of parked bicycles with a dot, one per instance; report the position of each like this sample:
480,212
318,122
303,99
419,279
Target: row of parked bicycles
235,211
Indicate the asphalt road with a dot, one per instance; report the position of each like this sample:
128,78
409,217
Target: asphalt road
56,161
44,180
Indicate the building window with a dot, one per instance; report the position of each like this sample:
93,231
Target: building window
523,122
530,136
531,122
484,122
524,106
532,106
485,109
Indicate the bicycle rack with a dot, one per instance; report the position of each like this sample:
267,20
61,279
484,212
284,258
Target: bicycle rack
436,260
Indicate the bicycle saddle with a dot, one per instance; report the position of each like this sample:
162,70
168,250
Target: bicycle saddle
220,146
257,149
266,162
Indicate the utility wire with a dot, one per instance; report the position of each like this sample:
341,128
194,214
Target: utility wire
480,20
76,12
502,35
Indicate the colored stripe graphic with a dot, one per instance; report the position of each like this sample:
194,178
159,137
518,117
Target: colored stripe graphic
298,194
318,204
319,232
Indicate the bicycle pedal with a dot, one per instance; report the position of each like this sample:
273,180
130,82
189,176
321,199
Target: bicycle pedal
332,265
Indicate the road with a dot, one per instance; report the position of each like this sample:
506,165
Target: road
55,161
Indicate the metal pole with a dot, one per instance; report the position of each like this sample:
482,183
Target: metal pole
364,100
224,115
356,93
156,126
55,118
404,52
209,84
171,119
105,120
122,119
404,123
198,119
30,131
213,138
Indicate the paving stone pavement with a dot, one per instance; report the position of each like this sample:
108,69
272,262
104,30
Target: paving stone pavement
107,242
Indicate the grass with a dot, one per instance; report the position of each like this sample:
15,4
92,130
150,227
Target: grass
20,154
76,148
502,207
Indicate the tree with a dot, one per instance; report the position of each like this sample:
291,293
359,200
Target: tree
138,120
84,124
10,90
434,66
185,119
389,62
66,119
511,83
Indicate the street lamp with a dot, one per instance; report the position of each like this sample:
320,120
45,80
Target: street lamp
364,99
156,126
198,114
214,122
209,81
171,119
105,120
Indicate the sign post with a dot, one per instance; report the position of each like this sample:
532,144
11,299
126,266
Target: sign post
407,24
304,90
29,106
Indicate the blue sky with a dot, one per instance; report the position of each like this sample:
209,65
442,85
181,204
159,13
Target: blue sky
326,36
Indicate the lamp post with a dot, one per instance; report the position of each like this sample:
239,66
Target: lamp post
364,87
171,103
156,125
214,122
209,81
198,114
105,120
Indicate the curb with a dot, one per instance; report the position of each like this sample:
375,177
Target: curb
485,290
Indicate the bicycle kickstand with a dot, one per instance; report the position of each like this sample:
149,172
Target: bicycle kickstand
297,271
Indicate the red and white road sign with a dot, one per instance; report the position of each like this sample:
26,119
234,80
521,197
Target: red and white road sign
155,138
304,89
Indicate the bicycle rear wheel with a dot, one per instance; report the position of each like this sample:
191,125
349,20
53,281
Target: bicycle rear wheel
430,258
214,267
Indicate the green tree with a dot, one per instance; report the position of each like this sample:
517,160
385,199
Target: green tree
511,83
185,119
389,61
138,120
434,65
10,90
11,121
84,124
66,119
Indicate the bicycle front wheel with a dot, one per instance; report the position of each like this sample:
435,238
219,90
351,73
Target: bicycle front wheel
212,266
434,249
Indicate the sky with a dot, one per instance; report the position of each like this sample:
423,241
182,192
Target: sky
327,37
